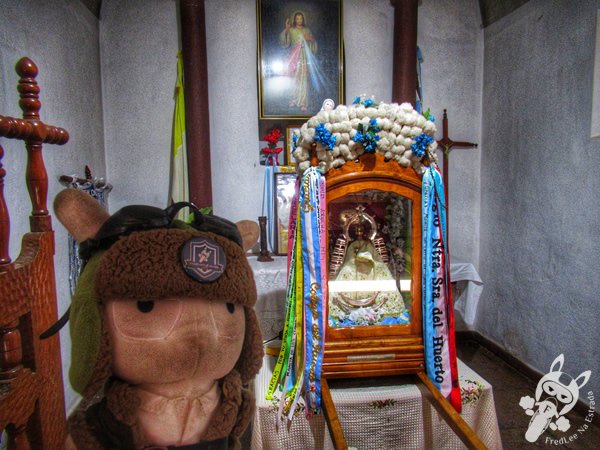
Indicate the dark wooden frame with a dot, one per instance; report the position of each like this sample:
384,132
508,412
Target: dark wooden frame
403,342
32,406
272,12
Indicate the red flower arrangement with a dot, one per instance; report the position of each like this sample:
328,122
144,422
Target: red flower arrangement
272,151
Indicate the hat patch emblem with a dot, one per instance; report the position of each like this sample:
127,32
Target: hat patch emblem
203,259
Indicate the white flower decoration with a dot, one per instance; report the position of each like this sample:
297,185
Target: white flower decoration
399,125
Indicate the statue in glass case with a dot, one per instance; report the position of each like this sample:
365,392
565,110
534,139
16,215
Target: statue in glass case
363,290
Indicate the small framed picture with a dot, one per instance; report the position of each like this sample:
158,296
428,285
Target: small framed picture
285,187
290,132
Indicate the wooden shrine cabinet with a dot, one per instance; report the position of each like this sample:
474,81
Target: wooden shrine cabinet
374,265
374,325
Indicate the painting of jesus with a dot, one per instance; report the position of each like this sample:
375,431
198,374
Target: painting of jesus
300,56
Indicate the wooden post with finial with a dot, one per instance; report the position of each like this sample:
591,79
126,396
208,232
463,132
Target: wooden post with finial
28,304
265,255
35,133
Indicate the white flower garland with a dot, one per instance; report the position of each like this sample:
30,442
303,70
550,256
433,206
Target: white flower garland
399,126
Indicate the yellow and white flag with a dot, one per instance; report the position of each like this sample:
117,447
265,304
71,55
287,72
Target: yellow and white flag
179,180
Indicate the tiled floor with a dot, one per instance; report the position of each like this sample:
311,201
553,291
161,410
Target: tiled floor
509,386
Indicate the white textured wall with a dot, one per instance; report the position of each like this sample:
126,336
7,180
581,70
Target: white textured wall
368,41
540,233
138,46
451,39
237,178
138,72
232,80
61,37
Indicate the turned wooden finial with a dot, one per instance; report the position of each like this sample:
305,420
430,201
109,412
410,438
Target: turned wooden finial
25,67
28,89
34,132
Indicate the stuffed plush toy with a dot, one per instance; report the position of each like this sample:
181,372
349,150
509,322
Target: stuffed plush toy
164,337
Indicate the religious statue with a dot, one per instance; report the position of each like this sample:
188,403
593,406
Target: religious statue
364,291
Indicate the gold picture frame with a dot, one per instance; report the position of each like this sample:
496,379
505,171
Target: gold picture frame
300,57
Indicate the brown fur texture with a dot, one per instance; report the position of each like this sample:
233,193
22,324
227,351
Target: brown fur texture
230,419
146,265
252,352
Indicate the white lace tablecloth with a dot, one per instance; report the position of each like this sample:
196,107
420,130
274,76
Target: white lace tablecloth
467,290
378,416
271,280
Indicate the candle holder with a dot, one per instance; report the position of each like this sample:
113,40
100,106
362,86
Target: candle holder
265,255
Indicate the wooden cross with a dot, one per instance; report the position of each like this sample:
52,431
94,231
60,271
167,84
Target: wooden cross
447,145
35,133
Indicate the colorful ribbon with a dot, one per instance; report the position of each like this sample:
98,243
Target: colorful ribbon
299,365
438,310
312,219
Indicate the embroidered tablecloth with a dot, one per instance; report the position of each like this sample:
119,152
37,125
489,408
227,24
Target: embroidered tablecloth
378,415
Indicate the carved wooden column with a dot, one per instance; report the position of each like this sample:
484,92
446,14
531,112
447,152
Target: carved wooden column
404,78
195,80
33,411
11,352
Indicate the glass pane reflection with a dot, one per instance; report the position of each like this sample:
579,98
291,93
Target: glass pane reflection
370,259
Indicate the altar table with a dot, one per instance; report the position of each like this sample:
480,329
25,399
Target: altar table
377,414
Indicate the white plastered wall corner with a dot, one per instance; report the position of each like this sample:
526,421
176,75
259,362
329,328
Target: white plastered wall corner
595,128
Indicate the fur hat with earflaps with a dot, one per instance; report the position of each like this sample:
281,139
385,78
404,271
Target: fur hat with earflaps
150,282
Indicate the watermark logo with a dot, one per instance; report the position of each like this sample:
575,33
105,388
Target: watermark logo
555,395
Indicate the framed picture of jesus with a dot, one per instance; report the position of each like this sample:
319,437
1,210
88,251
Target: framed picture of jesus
300,57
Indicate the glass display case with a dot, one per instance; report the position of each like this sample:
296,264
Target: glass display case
370,262
374,269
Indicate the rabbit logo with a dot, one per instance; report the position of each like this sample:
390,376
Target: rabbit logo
556,394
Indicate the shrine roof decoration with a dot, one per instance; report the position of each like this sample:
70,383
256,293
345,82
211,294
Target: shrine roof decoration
343,134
